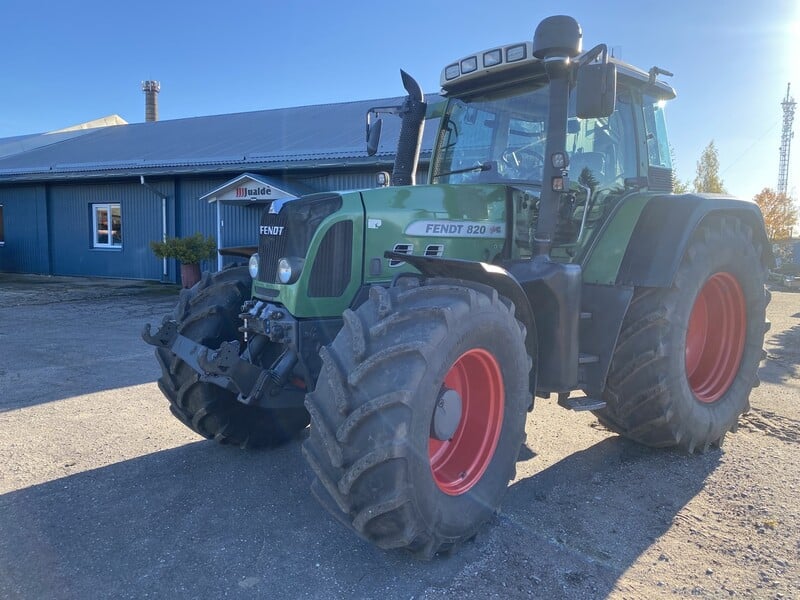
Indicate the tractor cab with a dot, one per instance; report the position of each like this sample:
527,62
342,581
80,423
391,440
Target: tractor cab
495,126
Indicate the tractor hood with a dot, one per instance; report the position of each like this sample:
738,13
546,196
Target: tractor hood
468,222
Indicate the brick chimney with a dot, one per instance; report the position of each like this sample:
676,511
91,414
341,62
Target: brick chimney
151,89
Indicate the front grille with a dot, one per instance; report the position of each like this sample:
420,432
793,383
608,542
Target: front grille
332,264
289,233
271,247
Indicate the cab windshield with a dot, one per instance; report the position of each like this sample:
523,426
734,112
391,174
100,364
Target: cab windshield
499,137
495,137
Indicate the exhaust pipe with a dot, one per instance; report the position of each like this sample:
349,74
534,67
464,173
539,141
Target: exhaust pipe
412,113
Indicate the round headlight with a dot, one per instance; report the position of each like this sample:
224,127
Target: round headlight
252,266
289,269
284,271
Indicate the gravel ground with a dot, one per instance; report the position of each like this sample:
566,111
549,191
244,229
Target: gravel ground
104,494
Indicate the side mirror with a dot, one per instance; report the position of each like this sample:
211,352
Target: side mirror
374,136
596,92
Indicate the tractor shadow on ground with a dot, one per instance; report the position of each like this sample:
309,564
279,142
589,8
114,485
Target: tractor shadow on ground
203,520
197,521
580,524
783,355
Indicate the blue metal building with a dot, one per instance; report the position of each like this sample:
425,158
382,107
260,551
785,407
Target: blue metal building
89,202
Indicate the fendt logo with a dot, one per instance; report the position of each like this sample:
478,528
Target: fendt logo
271,230
244,192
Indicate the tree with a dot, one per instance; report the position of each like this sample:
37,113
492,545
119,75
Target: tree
707,178
779,212
678,186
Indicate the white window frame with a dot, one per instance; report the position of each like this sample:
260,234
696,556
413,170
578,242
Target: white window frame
107,206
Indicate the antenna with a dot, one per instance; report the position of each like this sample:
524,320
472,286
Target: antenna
788,106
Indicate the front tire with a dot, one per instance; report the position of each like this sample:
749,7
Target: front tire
208,314
373,446
687,356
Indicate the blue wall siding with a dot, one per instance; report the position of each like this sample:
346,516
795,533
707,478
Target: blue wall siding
239,225
48,227
71,234
352,180
25,229
195,215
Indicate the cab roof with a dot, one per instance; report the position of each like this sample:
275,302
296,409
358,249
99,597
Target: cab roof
515,63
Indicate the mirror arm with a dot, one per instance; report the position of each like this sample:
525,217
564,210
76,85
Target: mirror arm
655,72
591,55
380,110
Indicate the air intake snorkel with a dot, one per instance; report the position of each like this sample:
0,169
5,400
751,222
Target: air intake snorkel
557,41
412,112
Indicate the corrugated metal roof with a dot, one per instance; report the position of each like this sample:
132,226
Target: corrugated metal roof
25,143
321,135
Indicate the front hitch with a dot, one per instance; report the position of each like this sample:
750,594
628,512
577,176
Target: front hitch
225,367
164,336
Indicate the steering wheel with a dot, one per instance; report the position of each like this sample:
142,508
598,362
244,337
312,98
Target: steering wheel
522,163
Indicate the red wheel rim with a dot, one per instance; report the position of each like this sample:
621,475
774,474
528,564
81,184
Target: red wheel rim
715,337
459,463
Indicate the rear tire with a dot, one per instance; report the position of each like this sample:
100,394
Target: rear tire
687,356
208,314
378,468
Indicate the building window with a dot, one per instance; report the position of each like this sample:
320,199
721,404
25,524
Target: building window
107,225
2,230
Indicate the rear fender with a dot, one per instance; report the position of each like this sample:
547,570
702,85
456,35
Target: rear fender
665,227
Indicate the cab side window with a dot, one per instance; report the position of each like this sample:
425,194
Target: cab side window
603,151
658,154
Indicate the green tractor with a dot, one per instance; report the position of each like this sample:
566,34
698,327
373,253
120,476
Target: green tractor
412,325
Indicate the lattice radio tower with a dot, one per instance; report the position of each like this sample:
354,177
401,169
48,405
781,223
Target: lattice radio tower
788,106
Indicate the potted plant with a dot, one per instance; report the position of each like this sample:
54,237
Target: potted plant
189,251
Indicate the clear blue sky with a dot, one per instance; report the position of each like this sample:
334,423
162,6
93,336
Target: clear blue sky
64,63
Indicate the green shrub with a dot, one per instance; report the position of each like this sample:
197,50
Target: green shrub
187,250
